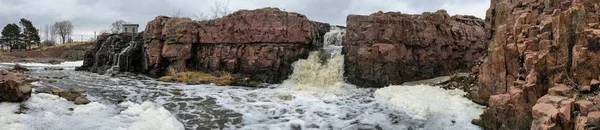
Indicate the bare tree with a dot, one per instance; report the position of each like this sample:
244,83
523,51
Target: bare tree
45,34
220,8
53,34
117,26
201,17
48,33
176,13
64,29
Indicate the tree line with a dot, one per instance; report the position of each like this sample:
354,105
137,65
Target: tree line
25,35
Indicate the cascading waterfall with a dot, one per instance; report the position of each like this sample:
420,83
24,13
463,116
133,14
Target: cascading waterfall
335,37
113,57
117,65
116,57
323,70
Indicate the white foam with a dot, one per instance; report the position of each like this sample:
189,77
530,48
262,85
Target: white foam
440,107
63,64
51,112
67,65
284,108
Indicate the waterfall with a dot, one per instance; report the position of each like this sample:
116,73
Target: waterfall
323,70
117,52
117,63
335,37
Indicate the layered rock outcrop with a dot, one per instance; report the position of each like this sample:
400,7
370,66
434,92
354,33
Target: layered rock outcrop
13,88
543,57
392,48
257,44
254,45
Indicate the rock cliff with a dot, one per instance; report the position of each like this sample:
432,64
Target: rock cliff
254,45
259,45
392,48
541,68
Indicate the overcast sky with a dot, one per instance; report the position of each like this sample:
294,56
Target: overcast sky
89,16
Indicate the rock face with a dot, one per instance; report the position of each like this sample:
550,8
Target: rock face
535,46
254,45
259,44
392,48
12,88
116,52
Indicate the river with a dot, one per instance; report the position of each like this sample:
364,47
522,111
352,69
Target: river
314,97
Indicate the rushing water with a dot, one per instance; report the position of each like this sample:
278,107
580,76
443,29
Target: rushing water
314,97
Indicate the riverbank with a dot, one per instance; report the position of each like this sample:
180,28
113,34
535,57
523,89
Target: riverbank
54,54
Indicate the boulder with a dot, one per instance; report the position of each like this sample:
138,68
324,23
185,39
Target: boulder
509,109
392,48
19,67
74,94
552,112
583,106
593,121
81,100
560,90
542,43
581,122
13,88
53,68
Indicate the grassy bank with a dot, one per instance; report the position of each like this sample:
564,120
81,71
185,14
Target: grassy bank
62,52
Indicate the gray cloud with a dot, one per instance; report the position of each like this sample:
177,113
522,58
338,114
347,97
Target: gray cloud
89,16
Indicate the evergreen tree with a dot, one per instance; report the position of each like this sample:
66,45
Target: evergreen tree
12,35
30,33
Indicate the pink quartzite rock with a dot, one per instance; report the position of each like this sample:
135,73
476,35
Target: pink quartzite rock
260,44
392,48
542,43
12,88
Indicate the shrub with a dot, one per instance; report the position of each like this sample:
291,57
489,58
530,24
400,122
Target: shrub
197,77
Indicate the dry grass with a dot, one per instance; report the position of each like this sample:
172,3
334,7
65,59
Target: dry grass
67,45
197,77
7,58
63,52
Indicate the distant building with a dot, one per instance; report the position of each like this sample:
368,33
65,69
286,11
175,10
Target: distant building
131,28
